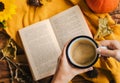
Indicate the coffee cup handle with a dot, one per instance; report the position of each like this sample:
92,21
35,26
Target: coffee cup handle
103,47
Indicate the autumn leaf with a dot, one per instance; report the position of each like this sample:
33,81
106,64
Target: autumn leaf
103,29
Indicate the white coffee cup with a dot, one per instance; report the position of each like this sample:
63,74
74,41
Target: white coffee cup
81,51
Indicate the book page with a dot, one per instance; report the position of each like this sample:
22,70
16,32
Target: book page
68,24
41,48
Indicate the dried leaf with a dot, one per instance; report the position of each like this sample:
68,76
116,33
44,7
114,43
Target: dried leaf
3,24
103,29
10,49
3,39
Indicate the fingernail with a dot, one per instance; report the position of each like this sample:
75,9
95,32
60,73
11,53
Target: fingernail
91,68
103,47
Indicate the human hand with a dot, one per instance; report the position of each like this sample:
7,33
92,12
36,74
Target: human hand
112,51
65,71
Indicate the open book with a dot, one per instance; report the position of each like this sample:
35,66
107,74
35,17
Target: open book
44,40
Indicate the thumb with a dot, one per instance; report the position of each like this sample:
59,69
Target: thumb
86,70
106,52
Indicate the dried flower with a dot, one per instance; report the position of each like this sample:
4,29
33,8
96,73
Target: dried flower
103,29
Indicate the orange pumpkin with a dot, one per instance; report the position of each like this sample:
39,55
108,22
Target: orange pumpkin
102,6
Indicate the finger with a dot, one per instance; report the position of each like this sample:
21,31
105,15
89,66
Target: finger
106,52
105,42
111,44
64,50
87,69
58,59
99,49
63,57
